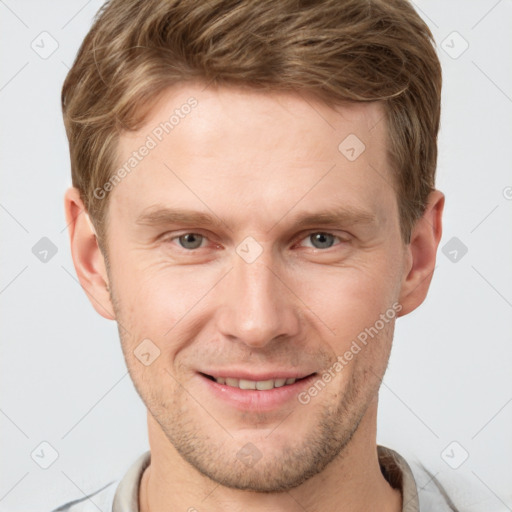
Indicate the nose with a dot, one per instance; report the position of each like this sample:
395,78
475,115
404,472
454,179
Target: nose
257,306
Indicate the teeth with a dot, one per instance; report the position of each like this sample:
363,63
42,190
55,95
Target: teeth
262,385
246,384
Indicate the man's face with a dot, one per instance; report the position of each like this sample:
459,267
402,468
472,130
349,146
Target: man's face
253,293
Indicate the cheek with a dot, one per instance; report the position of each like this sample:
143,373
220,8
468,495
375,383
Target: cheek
346,300
161,303
148,295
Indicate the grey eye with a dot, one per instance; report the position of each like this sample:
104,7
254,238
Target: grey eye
322,240
190,240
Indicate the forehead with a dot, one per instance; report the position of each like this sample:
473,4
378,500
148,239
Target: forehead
254,151
252,117
241,113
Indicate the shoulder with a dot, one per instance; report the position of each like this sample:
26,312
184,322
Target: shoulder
101,499
421,489
433,495
120,495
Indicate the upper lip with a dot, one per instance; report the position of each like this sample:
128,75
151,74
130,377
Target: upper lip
267,375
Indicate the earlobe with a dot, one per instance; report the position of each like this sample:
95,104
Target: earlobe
87,257
421,252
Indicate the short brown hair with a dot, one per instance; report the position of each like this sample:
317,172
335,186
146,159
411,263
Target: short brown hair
336,50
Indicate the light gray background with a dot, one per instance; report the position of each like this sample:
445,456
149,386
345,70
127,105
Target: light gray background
63,376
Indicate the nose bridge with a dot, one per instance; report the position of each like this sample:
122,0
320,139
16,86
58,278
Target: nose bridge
257,307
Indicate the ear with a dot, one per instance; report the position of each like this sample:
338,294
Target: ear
421,254
88,260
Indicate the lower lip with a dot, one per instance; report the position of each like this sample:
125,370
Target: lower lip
252,399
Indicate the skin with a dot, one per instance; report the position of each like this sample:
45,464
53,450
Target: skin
256,161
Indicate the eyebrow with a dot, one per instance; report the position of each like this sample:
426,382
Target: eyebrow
162,215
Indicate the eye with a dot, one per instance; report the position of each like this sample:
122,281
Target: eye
190,240
318,240
322,240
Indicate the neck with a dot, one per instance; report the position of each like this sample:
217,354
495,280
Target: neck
352,482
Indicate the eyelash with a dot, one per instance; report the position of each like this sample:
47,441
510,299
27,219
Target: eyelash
302,237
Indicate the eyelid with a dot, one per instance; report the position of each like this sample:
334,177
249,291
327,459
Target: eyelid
173,237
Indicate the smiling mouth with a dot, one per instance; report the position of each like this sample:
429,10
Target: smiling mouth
260,385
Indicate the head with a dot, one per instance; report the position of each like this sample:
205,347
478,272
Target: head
260,180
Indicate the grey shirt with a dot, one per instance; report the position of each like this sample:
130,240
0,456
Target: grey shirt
420,490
